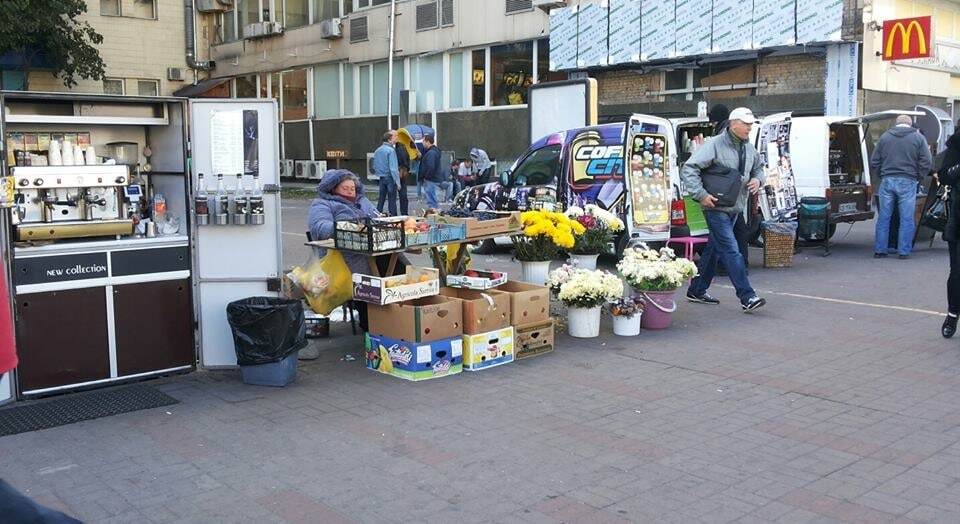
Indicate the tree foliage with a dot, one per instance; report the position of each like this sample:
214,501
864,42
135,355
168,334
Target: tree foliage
48,33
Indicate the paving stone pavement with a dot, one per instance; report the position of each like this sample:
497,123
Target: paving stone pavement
811,410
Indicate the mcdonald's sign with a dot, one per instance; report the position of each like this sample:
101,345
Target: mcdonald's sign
907,38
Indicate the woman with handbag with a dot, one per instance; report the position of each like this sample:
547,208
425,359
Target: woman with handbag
949,178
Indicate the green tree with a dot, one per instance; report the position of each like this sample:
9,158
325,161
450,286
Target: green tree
48,32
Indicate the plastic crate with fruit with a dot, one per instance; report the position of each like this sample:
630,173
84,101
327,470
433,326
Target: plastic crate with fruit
477,279
447,233
418,231
417,282
370,235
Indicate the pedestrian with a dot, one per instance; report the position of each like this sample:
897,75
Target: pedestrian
719,116
453,181
725,160
431,172
481,165
385,166
465,173
949,175
901,158
403,165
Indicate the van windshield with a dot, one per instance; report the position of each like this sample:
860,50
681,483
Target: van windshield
539,168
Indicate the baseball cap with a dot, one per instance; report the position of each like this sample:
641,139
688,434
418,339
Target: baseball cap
743,114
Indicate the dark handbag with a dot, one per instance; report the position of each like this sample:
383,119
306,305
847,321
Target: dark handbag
723,183
936,216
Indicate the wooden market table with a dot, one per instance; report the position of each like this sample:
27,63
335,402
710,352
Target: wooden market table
394,253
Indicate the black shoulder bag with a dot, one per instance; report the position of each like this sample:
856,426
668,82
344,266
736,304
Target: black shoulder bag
936,216
723,182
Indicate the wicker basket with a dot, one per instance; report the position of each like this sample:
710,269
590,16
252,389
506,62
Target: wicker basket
777,249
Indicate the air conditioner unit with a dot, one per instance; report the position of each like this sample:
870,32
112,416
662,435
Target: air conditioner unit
175,74
331,29
547,5
316,169
286,168
370,174
262,29
302,168
272,28
253,30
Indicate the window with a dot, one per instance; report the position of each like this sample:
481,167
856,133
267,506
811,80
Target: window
429,83
358,29
676,79
144,9
427,16
446,12
275,89
326,90
13,80
148,87
456,76
544,74
110,7
265,85
294,94
248,12
364,90
113,86
348,83
296,13
246,86
370,3
228,26
325,9
539,168
478,78
511,67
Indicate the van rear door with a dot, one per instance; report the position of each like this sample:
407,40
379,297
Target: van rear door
652,177
773,144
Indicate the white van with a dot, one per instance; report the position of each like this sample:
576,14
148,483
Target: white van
817,156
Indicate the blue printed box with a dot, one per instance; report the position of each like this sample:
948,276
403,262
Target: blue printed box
414,361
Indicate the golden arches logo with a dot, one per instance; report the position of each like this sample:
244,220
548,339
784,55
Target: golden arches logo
905,34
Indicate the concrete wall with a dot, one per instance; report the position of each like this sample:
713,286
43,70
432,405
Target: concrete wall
134,48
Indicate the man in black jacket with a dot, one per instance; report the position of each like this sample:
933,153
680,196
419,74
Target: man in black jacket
431,172
403,163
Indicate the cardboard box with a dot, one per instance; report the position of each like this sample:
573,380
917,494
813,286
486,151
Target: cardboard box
421,320
389,290
486,350
483,311
414,361
481,228
534,339
478,279
529,303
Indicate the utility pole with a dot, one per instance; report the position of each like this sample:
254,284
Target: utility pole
393,25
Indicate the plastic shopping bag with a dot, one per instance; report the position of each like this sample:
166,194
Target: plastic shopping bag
326,282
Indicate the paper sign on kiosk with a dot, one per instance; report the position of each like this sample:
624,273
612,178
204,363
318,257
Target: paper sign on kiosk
226,142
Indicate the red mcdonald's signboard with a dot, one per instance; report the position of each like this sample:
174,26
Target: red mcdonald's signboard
907,38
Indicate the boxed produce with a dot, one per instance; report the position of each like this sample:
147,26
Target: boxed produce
529,303
534,339
417,282
477,279
482,223
414,361
483,311
420,320
486,350
418,231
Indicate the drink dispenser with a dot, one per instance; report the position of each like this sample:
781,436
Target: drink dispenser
256,202
240,203
201,202
222,201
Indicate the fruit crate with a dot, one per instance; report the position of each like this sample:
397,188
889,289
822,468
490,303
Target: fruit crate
370,235
477,279
446,233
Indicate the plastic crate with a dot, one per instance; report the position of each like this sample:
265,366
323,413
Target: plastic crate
370,235
276,374
442,233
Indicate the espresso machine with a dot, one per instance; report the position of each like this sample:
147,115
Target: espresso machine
55,202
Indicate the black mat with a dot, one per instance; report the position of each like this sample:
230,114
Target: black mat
81,406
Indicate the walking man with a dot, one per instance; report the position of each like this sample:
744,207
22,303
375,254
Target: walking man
385,166
901,158
431,172
403,163
727,160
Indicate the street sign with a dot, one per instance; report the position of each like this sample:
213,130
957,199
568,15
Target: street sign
908,38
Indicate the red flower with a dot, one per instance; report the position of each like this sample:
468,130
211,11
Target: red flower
587,221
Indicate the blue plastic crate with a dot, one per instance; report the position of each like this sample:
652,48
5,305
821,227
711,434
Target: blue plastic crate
445,233
276,374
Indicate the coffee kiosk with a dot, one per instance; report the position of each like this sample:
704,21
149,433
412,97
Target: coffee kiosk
112,274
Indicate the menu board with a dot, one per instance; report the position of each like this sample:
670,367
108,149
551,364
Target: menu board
658,38
649,179
624,44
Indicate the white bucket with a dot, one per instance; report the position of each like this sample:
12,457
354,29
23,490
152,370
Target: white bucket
584,261
583,322
627,326
535,272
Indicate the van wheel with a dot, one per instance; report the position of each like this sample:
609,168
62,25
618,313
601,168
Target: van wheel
487,247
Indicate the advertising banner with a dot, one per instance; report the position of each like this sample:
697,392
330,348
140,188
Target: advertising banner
774,23
819,21
658,31
592,35
732,26
907,38
694,23
840,86
563,39
624,41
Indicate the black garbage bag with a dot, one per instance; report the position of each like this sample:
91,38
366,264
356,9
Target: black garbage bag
266,329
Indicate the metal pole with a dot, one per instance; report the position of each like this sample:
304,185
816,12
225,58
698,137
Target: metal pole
393,24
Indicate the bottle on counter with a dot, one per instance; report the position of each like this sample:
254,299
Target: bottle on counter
223,203
201,202
255,199
159,213
241,203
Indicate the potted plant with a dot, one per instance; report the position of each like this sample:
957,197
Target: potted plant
600,226
560,276
545,235
584,292
627,312
656,275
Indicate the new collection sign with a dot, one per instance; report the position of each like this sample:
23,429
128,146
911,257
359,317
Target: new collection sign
907,38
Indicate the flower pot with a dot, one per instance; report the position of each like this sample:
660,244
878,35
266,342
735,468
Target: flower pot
627,326
584,261
583,322
658,309
535,272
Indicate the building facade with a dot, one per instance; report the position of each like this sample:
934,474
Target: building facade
143,50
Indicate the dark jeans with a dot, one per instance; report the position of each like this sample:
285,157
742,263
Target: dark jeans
722,246
953,281
741,231
388,194
402,192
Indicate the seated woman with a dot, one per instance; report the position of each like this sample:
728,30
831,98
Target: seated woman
340,197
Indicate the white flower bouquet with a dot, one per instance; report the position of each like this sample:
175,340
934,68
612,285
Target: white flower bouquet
651,270
558,277
582,288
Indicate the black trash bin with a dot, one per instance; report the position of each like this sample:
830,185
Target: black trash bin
267,334
813,216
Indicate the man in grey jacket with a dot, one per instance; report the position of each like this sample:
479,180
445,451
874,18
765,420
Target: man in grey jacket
731,150
901,159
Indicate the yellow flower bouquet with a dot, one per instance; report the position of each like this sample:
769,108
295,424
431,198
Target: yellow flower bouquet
545,235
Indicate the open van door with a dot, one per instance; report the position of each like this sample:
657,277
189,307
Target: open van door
652,177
